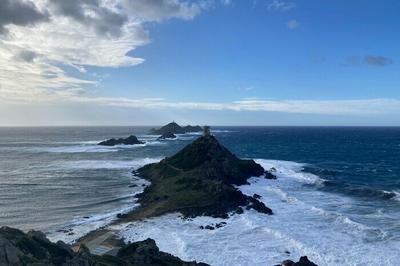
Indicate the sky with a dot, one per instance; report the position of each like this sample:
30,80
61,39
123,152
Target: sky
216,62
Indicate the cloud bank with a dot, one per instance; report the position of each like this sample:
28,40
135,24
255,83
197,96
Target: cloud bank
40,39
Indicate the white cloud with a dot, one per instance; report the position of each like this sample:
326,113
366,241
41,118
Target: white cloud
75,33
326,107
292,24
279,5
158,10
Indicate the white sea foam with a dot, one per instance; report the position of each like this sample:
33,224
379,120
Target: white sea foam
221,131
302,224
93,148
80,226
395,193
107,164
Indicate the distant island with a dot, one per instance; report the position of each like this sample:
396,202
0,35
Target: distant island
167,135
174,128
131,140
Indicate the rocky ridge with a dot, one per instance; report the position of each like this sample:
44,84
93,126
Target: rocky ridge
131,140
174,128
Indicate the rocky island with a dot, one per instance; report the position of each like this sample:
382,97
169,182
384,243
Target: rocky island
167,135
198,180
174,128
131,140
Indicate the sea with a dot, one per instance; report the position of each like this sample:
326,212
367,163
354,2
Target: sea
336,198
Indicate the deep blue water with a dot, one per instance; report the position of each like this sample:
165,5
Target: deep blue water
360,161
54,178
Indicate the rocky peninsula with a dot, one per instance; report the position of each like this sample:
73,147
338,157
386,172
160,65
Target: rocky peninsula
198,180
131,140
174,128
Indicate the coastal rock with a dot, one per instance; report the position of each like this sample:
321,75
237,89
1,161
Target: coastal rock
198,180
131,140
174,128
18,248
147,253
167,135
269,175
304,261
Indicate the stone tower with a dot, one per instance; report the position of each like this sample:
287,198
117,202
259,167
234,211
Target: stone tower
206,131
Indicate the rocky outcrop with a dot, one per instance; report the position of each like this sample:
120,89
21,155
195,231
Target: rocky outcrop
131,140
198,180
34,249
174,128
167,135
147,253
304,261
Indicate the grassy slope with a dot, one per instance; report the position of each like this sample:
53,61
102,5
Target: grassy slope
198,180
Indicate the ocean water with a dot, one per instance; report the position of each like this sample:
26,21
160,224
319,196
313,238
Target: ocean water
336,199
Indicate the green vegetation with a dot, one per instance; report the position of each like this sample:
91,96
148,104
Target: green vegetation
198,180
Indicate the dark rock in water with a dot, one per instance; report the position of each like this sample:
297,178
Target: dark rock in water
131,140
133,185
121,215
287,263
269,175
256,196
198,180
302,262
33,248
239,210
219,225
209,227
174,128
167,135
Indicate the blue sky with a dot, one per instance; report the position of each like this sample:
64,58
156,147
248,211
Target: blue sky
243,62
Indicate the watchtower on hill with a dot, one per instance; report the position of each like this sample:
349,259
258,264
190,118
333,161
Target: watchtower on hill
206,131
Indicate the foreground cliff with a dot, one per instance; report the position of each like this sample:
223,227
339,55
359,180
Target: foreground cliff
34,249
198,180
